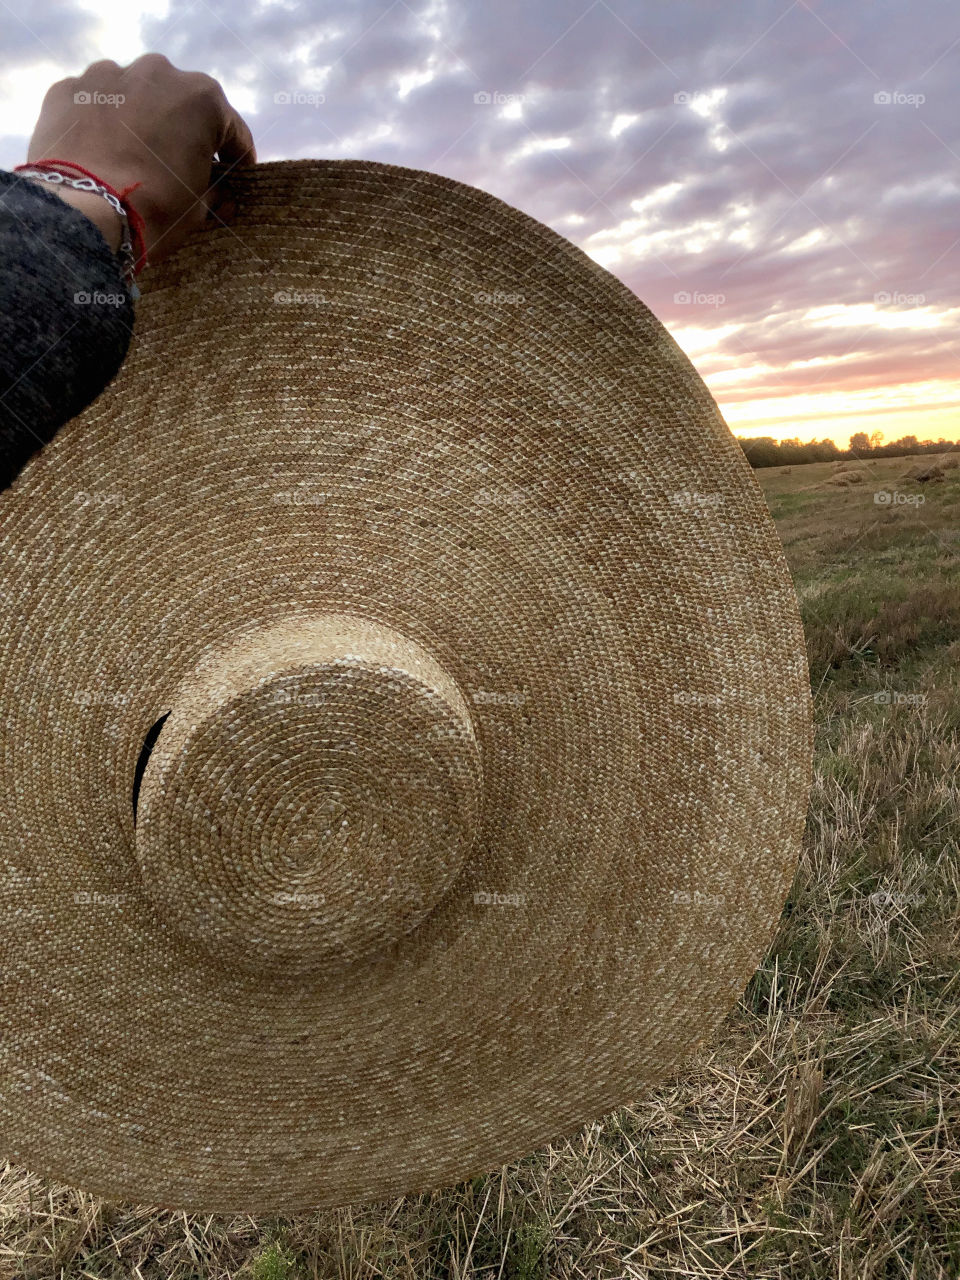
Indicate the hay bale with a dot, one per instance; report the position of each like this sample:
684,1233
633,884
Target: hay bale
924,475
843,479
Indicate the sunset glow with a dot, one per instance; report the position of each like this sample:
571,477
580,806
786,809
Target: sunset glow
780,189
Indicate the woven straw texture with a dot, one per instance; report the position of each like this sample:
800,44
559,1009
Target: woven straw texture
487,739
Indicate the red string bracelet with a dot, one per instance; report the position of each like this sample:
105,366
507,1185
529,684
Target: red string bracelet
136,223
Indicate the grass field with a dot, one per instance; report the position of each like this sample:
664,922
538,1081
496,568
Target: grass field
819,1134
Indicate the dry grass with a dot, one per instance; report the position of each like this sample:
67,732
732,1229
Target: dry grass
819,1135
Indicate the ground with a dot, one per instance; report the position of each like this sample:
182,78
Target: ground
818,1135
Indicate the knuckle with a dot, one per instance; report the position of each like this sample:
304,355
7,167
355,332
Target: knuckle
152,63
60,96
67,85
101,67
206,86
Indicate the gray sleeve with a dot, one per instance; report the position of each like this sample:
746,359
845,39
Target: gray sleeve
65,317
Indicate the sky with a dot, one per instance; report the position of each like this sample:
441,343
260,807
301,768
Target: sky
776,179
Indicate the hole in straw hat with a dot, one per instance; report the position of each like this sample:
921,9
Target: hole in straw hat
149,742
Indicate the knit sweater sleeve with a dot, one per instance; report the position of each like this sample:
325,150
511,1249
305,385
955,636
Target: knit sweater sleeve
65,318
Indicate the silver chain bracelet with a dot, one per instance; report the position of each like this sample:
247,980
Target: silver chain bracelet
125,252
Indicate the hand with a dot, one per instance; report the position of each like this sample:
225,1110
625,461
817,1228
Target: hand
148,123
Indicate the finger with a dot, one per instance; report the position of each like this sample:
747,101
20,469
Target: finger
233,139
235,147
105,69
218,198
151,63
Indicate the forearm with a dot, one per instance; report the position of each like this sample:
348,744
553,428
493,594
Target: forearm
65,312
94,207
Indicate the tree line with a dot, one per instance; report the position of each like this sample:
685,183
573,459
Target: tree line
764,451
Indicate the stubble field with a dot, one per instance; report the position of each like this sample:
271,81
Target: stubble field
818,1135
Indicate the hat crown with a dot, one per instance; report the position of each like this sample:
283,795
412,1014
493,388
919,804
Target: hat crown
313,793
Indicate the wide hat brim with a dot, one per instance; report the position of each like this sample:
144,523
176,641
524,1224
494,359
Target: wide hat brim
381,406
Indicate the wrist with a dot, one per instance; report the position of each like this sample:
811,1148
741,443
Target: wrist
92,206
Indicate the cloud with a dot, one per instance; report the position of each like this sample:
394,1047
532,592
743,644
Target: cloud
46,31
789,157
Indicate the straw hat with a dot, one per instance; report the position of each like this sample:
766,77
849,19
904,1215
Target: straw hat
406,730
